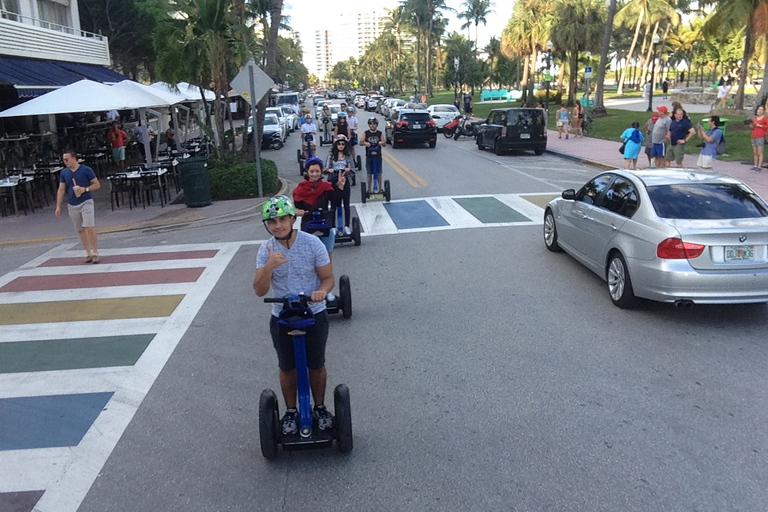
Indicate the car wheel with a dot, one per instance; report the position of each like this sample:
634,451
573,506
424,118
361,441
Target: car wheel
620,284
433,144
539,152
550,232
479,141
497,148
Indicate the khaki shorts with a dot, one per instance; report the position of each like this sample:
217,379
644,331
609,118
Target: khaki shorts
705,161
676,153
81,215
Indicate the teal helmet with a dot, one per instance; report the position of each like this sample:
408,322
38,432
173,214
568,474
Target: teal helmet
278,206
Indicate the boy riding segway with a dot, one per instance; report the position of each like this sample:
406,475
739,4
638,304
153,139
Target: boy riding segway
373,140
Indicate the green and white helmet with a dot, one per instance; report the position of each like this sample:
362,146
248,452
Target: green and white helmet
277,206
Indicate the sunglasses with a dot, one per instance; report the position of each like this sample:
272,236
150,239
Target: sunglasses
341,143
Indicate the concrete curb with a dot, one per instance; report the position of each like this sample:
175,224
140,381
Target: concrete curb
579,159
153,226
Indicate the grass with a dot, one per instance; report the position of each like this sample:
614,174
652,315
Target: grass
611,127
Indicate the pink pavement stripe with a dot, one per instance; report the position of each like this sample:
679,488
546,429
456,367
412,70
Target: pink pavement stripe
131,258
103,279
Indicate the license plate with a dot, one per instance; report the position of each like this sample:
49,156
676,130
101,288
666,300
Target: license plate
525,135
416,126
739,252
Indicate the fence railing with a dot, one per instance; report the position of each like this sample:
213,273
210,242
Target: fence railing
12,16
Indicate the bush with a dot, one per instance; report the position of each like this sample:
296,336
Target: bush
554,96
237,180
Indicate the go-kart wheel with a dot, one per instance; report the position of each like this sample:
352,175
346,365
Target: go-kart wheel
269,419
343,410
298,155
356,230
359,163
387,192
363,192
345,296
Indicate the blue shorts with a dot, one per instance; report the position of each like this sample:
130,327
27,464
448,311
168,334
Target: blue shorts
658,150
329,240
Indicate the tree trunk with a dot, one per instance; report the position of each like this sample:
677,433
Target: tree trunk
749,47
524,82
763,91
574,71
608,27
270,67
599,106
428,49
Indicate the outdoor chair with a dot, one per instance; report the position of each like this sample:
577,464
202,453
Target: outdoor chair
151,182
119,184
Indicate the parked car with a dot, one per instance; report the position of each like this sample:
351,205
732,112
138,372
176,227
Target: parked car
442,114
507,129
317,98
372,102
391,105
293,117
411,126
680,236
281,117
272,133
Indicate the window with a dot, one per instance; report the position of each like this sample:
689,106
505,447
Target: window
589,192
621,198
54,13
496,117
10,9
525,117
445,108
706,201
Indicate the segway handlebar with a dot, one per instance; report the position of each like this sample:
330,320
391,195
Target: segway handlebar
302,300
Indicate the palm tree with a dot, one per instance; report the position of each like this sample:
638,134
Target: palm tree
599,106
579,26
748,19
475,11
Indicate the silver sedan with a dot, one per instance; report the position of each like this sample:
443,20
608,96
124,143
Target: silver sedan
671,235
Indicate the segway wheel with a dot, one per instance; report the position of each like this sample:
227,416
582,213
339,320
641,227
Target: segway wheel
301,168
363,192
359,163
343,410
353,178
345,292
298,155
387,192
269,419
356,230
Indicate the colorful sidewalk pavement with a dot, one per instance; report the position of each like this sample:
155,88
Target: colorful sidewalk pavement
79,352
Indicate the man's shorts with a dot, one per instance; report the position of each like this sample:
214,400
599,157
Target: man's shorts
657,150
648,150
676,153
353,139
758,142
81,215
369,168
317,336
705,161
118,154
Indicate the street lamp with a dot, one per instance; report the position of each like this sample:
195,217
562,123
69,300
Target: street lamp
653,71
547,76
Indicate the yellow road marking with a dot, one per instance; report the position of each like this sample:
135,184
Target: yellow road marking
411,177
88,309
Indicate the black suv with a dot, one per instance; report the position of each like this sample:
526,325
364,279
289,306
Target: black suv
508,129
411,126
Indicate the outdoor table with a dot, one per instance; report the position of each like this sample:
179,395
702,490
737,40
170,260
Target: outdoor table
136,175
11,183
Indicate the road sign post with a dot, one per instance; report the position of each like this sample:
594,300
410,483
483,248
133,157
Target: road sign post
252,84
587,76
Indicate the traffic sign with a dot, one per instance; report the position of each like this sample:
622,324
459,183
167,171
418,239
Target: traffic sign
242,83
588,72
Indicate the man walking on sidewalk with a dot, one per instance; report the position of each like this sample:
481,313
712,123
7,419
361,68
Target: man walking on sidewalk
77,181
660,135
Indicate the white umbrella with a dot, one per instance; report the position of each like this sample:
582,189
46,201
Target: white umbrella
84,96
164,95
191,92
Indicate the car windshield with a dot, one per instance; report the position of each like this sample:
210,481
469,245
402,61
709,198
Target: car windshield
415,117
334,108
532,117
706,201
270,119
444,108
287,110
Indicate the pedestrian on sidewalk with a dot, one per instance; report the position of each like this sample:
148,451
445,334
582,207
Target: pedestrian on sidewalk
660,135
712,138
577,117
117,139
759,125
633,141
648,131
77,181
680,131
664,88
562,122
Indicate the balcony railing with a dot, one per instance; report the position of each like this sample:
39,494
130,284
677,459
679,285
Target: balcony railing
22,36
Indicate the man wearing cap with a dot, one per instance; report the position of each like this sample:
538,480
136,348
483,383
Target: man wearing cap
660,135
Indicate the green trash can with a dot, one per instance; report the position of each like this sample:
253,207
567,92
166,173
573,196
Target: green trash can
194,181
723,122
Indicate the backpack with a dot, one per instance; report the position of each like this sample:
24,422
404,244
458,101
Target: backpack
721,145
635,137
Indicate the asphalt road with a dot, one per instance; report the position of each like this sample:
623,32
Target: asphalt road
485,374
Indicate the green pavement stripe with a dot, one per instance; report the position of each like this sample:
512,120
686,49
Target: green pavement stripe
540,200
88,309
490,210
70,354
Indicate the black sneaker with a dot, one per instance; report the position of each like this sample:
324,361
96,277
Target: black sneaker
290,422
324,418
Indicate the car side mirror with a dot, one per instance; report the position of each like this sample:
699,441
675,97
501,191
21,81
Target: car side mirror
569,194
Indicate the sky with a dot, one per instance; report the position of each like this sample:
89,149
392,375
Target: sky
310,15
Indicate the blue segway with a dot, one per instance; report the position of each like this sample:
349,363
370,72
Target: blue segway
373,154
295,317
303,157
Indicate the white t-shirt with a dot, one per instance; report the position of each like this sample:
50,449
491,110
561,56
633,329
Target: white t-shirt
308,128
352,122
722,91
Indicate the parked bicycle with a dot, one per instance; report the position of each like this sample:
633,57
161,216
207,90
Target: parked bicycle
589,125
